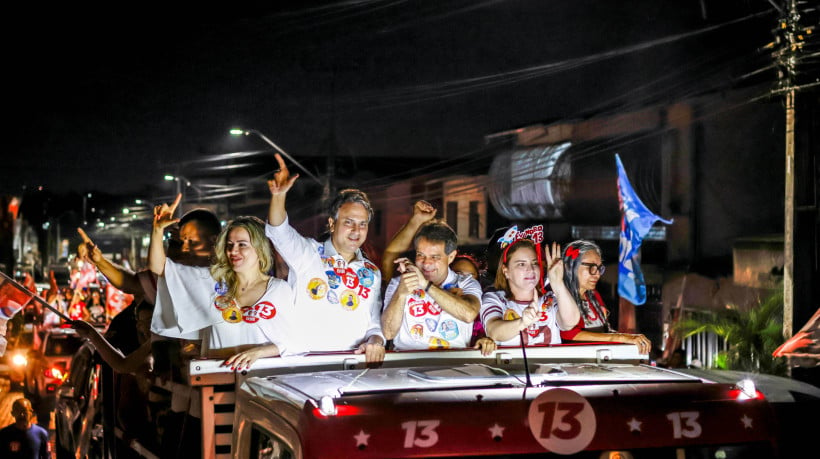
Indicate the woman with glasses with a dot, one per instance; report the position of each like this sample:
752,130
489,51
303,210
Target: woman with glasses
583,269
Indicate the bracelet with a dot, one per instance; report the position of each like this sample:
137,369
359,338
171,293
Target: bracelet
429,283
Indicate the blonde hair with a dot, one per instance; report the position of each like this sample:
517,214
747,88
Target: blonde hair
222,271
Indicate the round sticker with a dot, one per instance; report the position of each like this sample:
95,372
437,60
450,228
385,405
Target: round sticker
510,314
448,330
332,297
365,277
370,266
317,288
562,421
438,343
349,300
221,288
223,302
232,315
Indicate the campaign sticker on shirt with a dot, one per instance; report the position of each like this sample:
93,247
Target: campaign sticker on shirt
317,288
431,324
365,277
349,278
416,308
221,288
417,332
349,300
262,310
332,297
223,302
438,343
232,315
329,261
333,279
370,266
448,330
510,314
321,250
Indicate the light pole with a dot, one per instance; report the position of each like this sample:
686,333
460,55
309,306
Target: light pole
240,131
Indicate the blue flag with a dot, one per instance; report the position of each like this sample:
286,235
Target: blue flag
636,221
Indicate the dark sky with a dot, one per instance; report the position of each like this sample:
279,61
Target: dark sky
110,99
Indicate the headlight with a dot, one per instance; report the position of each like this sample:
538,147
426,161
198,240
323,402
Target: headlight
19,360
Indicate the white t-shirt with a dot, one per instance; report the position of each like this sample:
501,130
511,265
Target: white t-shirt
189,300
425,325
544,331
338,302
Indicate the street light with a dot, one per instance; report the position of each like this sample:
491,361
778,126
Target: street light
239,131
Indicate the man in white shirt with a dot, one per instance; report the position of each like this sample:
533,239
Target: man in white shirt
337,289
430,306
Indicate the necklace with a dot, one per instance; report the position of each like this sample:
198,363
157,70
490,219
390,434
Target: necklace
251,284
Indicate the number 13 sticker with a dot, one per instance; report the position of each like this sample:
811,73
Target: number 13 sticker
562,421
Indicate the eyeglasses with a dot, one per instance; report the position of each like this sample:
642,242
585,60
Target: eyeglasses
595,269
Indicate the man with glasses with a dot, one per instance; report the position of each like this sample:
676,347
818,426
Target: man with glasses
23,439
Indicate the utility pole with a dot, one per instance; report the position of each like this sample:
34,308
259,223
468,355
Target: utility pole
788,43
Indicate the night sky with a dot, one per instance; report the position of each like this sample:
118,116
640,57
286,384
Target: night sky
110,99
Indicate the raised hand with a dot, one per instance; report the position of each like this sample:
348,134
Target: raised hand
555,264
164,214
423,212
93,253
282,181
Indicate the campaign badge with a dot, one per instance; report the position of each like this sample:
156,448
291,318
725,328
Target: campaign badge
349,300
448,330
221,288
333,279
510,314
262,310
332,297
438,343
232,315
417,331
317,288
432,324
349,278
223,302
365,277
321,250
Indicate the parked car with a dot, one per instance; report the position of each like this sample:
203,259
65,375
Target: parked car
48,365
78,410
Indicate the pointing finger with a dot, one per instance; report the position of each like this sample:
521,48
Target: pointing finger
173,206
84,236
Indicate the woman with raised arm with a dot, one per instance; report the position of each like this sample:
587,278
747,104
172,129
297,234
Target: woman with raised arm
241,312
584,268
519,302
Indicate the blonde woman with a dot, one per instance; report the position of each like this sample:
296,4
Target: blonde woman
239,310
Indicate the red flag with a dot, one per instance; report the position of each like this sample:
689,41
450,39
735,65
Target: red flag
13,296
116,300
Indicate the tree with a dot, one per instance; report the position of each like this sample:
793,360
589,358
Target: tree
751,336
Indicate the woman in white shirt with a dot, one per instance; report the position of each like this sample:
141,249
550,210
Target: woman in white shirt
519,303
235,306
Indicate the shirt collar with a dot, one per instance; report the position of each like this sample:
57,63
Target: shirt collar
330,251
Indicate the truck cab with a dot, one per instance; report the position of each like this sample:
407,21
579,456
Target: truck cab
596,401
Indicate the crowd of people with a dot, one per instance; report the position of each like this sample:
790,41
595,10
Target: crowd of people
256,289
